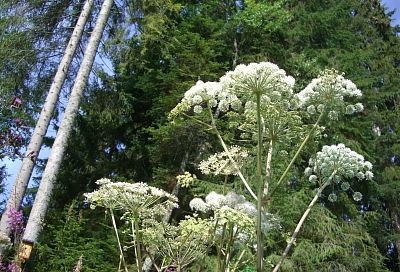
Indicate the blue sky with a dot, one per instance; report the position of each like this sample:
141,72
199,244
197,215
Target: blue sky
393,4
13,166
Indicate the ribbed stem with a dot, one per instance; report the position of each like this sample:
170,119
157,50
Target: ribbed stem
297,154
260,240
301,222
137,245
118,240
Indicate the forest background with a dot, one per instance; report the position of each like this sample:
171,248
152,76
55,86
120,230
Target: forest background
157,51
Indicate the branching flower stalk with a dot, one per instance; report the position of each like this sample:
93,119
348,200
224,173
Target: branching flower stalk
220,264
236,265
301,222
233,233
138,249
331,165
225,248
303,144
121,256
224,146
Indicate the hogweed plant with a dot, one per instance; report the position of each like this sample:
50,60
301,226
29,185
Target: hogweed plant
259,104
177,246
138,202
332,166
233,220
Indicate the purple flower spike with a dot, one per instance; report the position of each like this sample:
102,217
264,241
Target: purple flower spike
16,220
12,267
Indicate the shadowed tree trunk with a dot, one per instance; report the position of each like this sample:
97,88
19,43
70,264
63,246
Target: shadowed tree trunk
42,199
24,174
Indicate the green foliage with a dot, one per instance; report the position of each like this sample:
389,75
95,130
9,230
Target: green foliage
71,234
266,15
329,244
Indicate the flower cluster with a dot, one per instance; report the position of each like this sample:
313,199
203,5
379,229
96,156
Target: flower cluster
232,212
10,267
214,201
134,198
237,87
220,164
16,220
337,162
186,180
242,223
264,77
196,225
207,94
327,93
180,244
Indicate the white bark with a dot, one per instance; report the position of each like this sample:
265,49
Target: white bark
42,199
24,174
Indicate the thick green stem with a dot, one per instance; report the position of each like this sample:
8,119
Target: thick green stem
261,206
232,237
260,240
297,154
220,263
137,245
267,173
118,240
301,222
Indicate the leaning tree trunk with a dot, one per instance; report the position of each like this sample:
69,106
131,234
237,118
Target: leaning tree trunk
42,198
42,124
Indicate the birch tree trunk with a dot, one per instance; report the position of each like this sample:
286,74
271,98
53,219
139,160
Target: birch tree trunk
37,215
33,149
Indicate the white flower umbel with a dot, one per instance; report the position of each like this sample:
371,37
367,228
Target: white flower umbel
198,204
232,199
337,162
220,164
328,92
264,77
243,222
215,200
207,94
332,163
135,198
